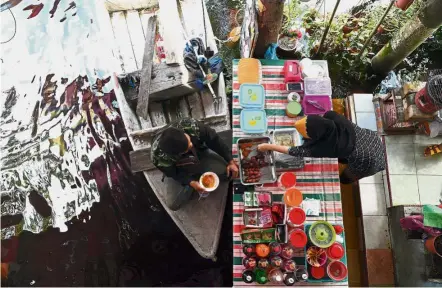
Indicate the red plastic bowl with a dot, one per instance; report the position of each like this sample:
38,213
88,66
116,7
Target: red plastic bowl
337,271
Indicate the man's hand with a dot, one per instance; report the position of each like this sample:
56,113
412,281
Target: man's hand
195,185
232,169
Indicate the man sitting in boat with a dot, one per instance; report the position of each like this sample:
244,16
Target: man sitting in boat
185,150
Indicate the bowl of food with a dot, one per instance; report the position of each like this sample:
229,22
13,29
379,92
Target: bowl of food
209,181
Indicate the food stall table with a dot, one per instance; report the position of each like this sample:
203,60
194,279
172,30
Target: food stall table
319,179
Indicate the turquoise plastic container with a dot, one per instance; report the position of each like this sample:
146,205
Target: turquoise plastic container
253,121
341,240
252,96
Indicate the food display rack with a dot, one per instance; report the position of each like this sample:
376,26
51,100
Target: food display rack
318,179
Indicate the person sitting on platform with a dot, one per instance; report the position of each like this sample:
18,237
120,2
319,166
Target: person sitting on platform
183,151
334,136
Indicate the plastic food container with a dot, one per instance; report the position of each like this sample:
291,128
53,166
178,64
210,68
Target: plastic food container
287,179
293,197
292,71
296,217
289,265
314,68
336,251
252,96
267,173
317,86
293,109
317,272
287,137
337,271
316,104
322,234
253,121
316,256
298,238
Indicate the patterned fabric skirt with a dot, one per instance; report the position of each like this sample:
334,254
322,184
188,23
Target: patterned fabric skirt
368,157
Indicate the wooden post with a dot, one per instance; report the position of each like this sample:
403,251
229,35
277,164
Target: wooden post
146,71
269,25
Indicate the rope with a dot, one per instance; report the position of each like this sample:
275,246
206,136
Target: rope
15,28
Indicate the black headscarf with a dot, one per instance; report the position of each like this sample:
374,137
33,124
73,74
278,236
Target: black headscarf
173,141
331,136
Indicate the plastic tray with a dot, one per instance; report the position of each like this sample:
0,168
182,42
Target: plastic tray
269,171
341,240
253,121
323,100
283,161
252,96
317,86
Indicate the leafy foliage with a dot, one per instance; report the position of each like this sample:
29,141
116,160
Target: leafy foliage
345,40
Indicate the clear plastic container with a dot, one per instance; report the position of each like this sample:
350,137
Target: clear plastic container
317,86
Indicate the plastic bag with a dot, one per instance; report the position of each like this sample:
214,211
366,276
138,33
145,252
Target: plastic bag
416,223
271,52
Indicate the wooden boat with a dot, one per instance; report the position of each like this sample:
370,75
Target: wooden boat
172,95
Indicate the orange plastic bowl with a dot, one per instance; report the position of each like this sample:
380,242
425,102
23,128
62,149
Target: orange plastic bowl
293,197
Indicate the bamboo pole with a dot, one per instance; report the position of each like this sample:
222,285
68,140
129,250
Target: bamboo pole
375,29
328,26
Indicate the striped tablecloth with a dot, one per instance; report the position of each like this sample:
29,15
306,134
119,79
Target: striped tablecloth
319,178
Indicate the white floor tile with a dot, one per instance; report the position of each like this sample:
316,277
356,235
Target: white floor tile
396,139
366,120
373,199
363,103
431,165
376,232
400,159
376,178
430,189
404,190
425,140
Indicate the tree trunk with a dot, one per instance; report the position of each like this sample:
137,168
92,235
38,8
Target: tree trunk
269,25
409,37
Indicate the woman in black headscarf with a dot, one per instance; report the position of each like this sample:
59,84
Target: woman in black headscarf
334,136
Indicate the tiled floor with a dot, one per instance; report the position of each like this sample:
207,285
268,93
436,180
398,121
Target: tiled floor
413,178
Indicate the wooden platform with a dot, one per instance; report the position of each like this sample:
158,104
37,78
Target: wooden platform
130,33
200,221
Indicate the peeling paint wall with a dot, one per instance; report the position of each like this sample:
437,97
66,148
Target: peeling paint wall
60,128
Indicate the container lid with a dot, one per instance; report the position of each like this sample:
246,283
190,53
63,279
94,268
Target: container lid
317,86
253,121
297,216
318,272
252,96
335,251
293,109
298,239
316,104
293,197
288,179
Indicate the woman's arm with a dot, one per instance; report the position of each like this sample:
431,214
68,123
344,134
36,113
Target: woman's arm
297,151
273,147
